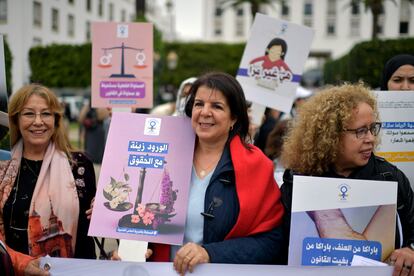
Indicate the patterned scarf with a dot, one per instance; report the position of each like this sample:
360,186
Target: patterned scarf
54,209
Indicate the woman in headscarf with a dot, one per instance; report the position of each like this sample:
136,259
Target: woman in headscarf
398,73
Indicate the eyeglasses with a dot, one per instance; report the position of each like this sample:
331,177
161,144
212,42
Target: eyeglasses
361,132
30,116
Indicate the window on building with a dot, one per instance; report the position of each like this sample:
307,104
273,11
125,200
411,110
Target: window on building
111,11
307,13
218,27
264,9
404,27
308,8
405,16
3,11
331,18
355,26
218,12
240,12
88,31
55,20
88,5
331,7
355,8
37,14
37,41
239,27
123,15
100,7
381,24
331,27
71,25
307,21
285,9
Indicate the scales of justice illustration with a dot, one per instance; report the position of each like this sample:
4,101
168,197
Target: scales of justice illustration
144,216
105,61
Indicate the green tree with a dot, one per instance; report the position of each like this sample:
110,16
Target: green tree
376,7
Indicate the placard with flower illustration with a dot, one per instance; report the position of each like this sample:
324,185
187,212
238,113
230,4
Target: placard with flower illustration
122,70
273,60
144,181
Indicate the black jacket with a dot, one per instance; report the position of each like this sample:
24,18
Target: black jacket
222,202
376,169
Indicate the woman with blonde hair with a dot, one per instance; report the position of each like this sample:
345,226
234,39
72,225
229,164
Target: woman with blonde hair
335,135
47,187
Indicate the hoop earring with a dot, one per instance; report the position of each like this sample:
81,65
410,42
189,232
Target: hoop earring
231,128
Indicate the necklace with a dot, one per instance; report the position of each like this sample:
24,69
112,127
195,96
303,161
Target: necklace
203,171
35,171
11,222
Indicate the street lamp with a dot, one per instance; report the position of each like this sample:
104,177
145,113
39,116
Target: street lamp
170,7
172,60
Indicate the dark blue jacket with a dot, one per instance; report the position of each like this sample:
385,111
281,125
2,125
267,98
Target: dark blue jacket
221,210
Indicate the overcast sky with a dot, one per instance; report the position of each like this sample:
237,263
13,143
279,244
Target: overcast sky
188,18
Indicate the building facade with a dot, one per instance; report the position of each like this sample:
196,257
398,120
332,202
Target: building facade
28,23
338,24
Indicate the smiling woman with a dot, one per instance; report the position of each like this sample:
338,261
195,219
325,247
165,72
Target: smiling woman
335,135
227,218
45,179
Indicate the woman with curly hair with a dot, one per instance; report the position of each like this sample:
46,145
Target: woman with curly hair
335,135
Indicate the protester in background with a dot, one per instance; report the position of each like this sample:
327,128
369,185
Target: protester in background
107,123
271,117
175,108
165,109
274,148
92,120
182,96
66,116
301,96
398,73
334,135
47,187
4,129
253,127
5,153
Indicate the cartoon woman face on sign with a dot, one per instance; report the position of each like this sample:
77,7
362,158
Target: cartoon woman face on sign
270,70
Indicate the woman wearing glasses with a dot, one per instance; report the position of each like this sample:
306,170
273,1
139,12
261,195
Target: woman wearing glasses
335,135
47,188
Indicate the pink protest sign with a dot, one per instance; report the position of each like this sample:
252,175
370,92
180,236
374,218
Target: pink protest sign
144,182
122,65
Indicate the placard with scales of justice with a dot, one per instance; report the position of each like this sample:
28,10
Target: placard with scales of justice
144,181
122,70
